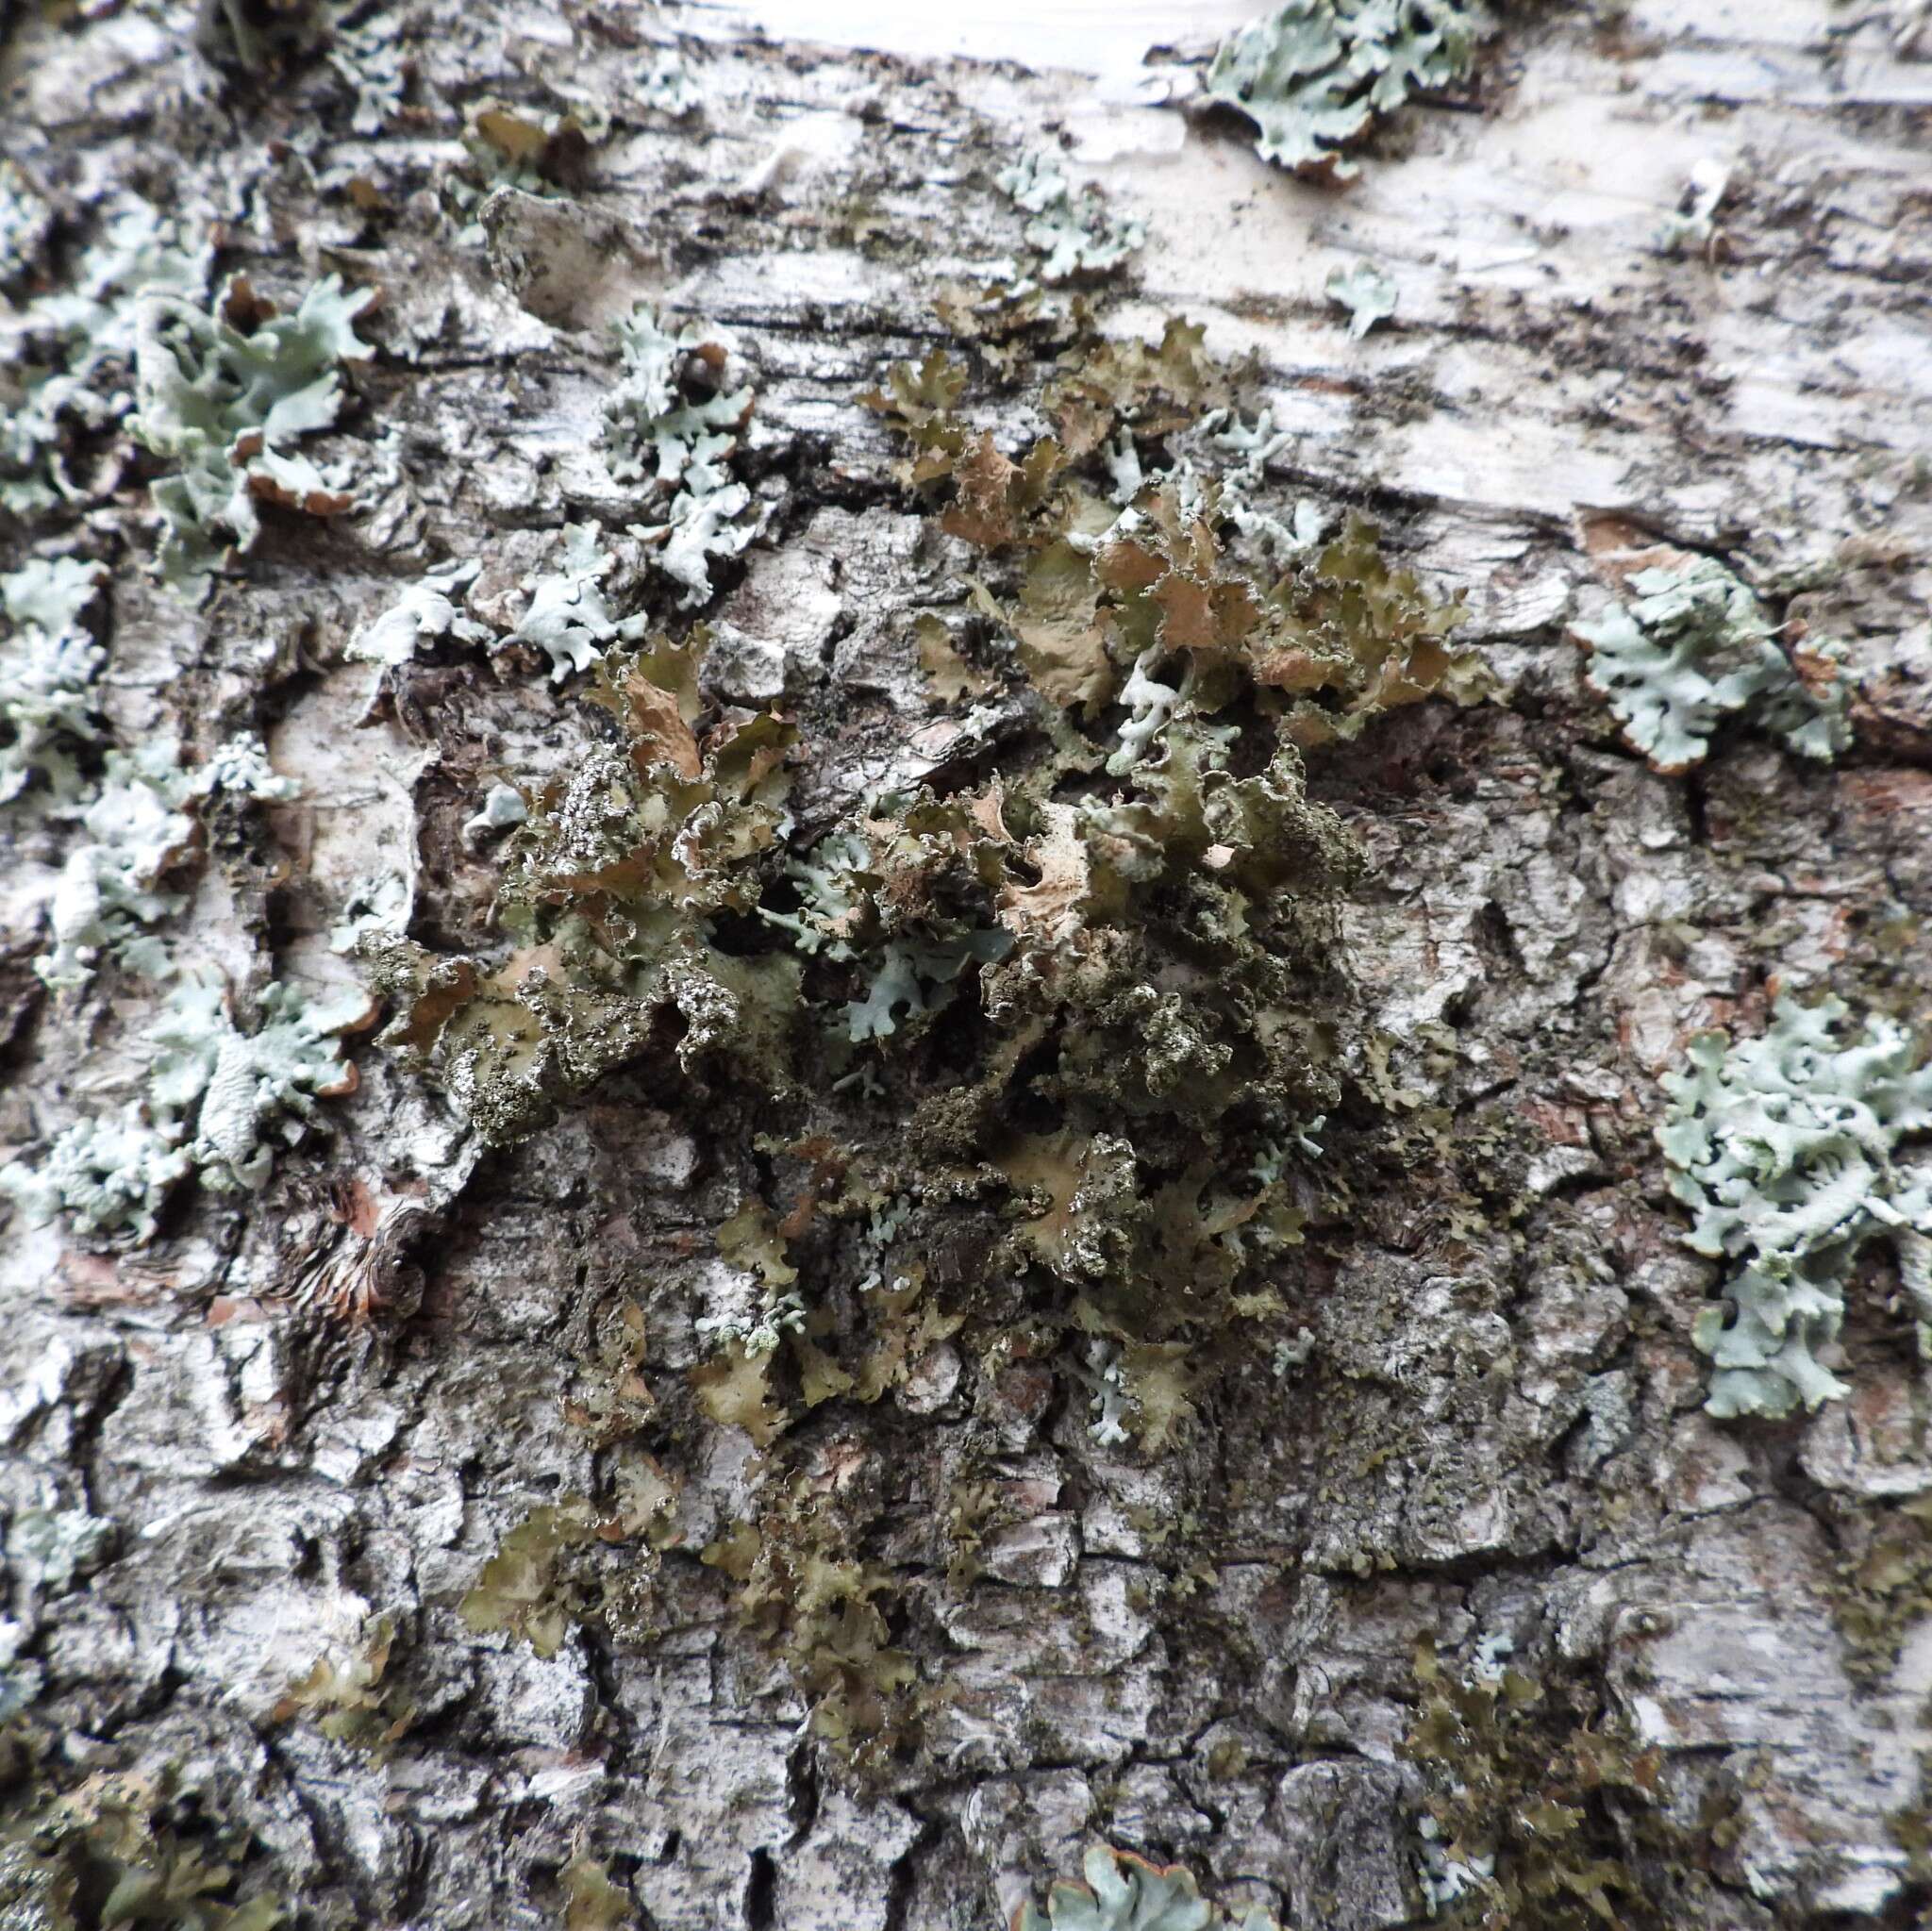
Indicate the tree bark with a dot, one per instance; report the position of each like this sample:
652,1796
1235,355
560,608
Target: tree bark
324,1404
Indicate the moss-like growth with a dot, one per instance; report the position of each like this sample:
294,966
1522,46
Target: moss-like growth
113,1849
1531,1807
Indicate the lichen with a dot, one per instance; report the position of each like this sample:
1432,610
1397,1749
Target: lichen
229,1095
137,830
114,1847
142,827
568,617
110,1174
1079,1013
427,608
666,84
215,1102
1074,235
1783,1148
373,68
49,663
344,1696
224,394
1123,1892
800,1589
671,425
1367,293
1695,647
1314,75
1530,1801
545,1577
64,355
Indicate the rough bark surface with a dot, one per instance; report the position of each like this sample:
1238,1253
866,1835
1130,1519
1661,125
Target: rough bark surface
328,1402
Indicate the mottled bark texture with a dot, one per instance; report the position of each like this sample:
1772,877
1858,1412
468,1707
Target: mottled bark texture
304,1409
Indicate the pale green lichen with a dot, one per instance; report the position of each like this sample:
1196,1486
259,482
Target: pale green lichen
137,830
229,1096
429,608
110,1176
48,668
1314,75
376,910
503,809
139,827
1123,1892
1783,1147
1073,235
670,424
52,1549
63,356
368,59
216,1103
25,223
238,768
1692,225
569,618
224,394
1696,647
1367,293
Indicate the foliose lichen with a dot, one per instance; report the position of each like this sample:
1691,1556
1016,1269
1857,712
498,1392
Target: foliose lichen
1695,647
215,1102
1123,1892
136,830
344,1694
115,1847
65,357
224,392
1079,1012
49,662
427,608
1783,1147
1367,293
143,825
1075,234
1531,1801
1314,75
671,425
667,85
568,617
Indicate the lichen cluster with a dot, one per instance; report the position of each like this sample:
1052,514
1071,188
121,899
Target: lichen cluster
1074,234
49,662
1314,75
1081,1013
1123,1892
115,1848
1695,647
66,356
1107,967
1784,1148
1535,1811
216,1101
224,394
